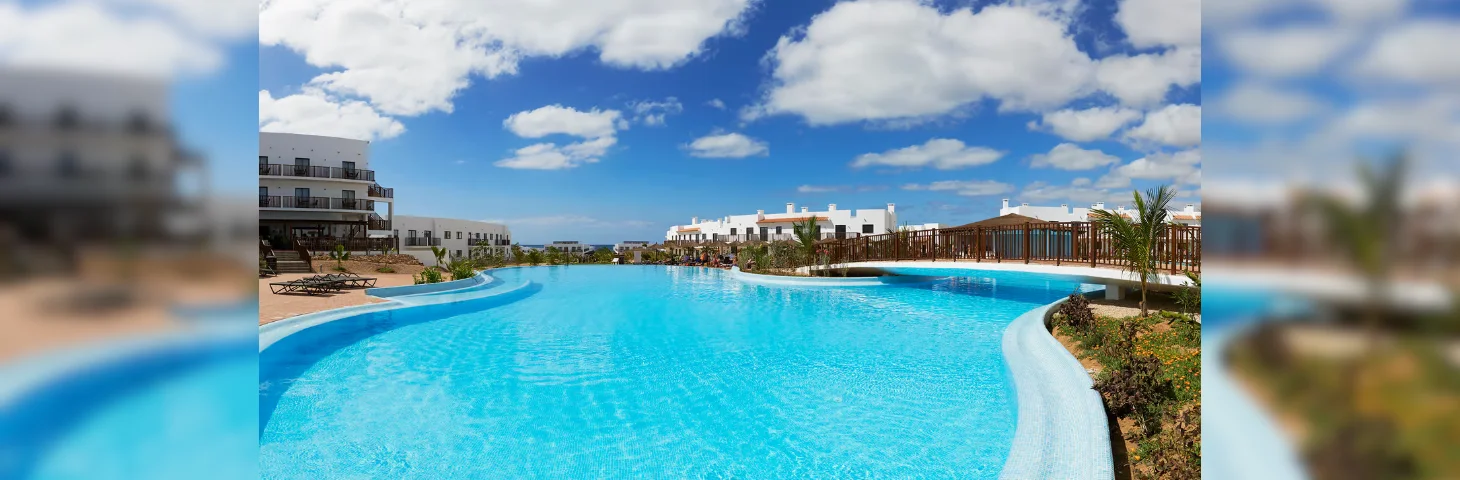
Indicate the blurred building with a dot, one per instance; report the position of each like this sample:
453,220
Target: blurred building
1188,215
90,160
460,238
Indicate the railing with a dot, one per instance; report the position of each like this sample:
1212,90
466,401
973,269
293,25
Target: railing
304,255
1068,243
473,242
766,237
325,244
282,170
378,191
421,241
374,224
321,203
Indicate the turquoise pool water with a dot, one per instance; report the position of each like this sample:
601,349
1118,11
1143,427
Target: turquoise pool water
655,372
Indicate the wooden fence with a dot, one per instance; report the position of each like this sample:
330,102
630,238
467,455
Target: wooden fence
1056,243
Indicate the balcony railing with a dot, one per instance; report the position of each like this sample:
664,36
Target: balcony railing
324,244
472,242
421,241
281,170
317,203
378,191
374,224
765,237
1177,249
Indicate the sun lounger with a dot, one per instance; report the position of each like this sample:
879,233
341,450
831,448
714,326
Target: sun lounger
352,279
306,286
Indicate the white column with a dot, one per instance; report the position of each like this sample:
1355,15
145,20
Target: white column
1114,292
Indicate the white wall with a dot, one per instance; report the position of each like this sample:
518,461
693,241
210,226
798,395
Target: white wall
321,151
856,222
439,227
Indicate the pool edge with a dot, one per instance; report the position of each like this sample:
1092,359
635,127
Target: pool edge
1062,430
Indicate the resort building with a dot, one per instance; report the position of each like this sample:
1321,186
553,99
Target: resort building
760,226
459,237
319,192
91,159
1064,213
627,245
569,246
919,227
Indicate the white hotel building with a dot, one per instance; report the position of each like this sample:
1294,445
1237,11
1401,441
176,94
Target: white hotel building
1064,213
320,192
835,223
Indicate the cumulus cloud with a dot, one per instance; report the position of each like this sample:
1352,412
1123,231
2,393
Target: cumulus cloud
1263,104
412,59
314,112
652,113
939,153
596,127
1067,156
1183,167
969,188
87,36
820,188
557,119
726,145
1287,51
1173,125
1153,23
1086,125
716,103
1078,192
1144,80
1012,54
1420,52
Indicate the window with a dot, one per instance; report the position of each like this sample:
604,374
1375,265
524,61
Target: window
458,253
349,169
867,228
263,191
263,159
458,235
395,233
732,231
301,193
427,234
301,166
68,166
411,233
778,230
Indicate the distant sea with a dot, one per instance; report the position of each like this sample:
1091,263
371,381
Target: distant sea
595,246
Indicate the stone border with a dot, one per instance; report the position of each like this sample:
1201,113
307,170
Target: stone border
787,281
1062,430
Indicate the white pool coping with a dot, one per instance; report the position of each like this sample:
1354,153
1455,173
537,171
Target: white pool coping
785,281
1062,430
1084,273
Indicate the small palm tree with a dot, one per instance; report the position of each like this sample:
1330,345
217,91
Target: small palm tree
807,233
339,255
440,254
1136,240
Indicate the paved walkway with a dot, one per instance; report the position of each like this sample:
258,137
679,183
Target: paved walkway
279,306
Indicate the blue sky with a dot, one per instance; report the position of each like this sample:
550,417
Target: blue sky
819,119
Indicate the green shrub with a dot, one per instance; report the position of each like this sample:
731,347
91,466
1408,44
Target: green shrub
462,269
385,269
429,275
1075,313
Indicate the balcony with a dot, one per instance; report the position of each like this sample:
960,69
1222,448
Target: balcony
473,242
421,242
377,224
378,191
317,203
281,170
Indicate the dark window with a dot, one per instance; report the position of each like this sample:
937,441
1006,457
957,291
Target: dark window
411,233
427,234
347,194
301,166
68,166
263,191
732,231
778,230
138,168
458,253
263,159
395,233
348,165
867,228
458,235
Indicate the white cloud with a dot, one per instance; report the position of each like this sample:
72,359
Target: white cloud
902,59
1152,23
1077,192
314,112
409,59
652,113
969,188
1174,125
1086,125
1067,156
1258,103
820,188
1287,51
727,145
716,103
549,156
85,36
1419,52
940,153
1182,167
557,119
215,18
1144,80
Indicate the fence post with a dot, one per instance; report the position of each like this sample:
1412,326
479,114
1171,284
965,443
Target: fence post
1091,227
1026,243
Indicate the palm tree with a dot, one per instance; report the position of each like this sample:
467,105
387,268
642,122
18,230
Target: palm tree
1136,241
807,233
339,255
440,253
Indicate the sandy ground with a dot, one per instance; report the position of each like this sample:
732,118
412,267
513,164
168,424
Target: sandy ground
365,268
1131,305
279,306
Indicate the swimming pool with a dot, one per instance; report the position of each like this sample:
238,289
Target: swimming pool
619,371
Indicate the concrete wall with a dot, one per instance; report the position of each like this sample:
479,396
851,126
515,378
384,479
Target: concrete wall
321,151
855,221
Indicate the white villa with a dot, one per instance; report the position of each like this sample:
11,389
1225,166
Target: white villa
459,237
320,192
625,245
569,246
834,223
1064,213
